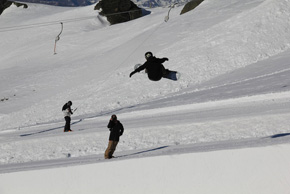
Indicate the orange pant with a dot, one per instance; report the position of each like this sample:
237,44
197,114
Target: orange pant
111,149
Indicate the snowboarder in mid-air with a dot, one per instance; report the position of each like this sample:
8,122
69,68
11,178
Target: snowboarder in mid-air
155,69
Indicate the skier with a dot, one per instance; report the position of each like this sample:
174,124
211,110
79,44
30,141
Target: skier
154,67
66,109
117,130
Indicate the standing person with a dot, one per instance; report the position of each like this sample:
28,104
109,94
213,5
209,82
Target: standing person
66,109
154,68
116,130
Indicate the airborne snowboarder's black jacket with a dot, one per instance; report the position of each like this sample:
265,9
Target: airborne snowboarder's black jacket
116,129
154,68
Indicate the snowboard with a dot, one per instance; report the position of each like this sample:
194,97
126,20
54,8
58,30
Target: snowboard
172,75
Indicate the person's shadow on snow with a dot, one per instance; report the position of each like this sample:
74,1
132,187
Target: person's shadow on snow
280,135
47,130
142,152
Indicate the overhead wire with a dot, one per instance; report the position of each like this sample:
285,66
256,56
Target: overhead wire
58,37
36,25
43,24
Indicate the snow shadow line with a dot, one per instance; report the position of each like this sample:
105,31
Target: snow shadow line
115,111
145,151
47,130
280,135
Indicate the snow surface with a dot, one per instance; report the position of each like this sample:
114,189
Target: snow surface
222,128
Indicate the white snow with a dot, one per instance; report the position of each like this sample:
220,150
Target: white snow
222,128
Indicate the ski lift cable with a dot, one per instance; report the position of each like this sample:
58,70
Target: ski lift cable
21,27
43,24
58,37
167,17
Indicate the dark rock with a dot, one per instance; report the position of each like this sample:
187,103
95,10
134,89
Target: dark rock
25,6
4,4
190,6
118,11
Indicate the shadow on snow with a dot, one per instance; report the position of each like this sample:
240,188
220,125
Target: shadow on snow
142,152
280,135
47,130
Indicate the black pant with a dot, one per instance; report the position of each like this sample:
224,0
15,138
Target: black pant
158,73
67,123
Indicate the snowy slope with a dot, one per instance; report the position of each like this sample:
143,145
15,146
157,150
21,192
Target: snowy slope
225,122
209,172
200,52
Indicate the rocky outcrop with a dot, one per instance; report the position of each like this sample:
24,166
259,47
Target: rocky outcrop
118,11
190,6
25,6
4,4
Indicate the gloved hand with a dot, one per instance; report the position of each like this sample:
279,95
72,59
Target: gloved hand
132,73
166,59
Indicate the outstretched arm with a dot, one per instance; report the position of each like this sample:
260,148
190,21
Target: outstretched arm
142,67
163,60
132,73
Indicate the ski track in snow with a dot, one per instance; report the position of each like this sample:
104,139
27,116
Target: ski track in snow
278,139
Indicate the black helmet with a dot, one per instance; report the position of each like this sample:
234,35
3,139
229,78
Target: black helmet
148,55
114,117
69,103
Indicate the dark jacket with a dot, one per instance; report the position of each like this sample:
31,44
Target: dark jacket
153,67
116,129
